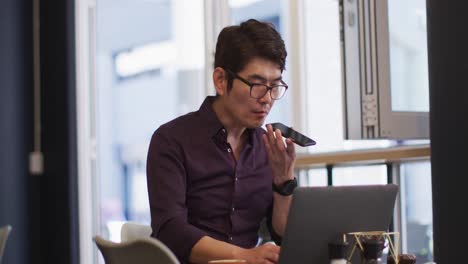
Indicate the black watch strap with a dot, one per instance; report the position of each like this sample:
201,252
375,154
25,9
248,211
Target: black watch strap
287,187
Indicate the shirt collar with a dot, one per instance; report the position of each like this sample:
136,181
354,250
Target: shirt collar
209,119
211,122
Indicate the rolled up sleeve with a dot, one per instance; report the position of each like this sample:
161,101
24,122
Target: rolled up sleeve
167,185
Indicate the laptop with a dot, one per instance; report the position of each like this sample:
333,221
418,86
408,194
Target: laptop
319,215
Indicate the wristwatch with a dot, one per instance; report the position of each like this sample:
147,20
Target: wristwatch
286,188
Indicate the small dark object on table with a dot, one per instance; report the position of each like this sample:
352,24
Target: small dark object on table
403,259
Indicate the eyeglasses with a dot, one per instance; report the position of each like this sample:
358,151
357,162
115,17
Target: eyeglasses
258,90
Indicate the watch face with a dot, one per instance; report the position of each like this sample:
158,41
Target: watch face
289,187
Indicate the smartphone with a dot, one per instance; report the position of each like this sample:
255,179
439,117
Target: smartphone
297,137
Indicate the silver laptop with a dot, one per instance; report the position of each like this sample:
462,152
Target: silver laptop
319,215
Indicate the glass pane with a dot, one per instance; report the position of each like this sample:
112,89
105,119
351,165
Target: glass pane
323,78
268,11
312,177
149,68
417,188
323,74
408,55
360,175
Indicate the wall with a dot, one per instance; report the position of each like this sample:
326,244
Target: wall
447,50
15,81
58,220
42,209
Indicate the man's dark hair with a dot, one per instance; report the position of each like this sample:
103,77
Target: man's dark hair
237,45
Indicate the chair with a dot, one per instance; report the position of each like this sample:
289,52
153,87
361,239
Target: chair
142,251
4,232
131,231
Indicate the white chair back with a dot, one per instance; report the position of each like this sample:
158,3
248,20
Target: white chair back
142,251
4,233
131,231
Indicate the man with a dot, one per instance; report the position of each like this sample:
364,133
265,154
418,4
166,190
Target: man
210,172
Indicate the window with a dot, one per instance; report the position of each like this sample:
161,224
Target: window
130,95
135,40
149,58
384,58
408,56
360,175
417,210
333,131
323,86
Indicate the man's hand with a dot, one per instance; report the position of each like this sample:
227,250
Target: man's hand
265,254
281,156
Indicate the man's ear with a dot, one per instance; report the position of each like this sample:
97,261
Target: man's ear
220,80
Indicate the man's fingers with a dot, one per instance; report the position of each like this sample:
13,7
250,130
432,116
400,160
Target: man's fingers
276,249
279,140
271,256
267,144
290,147
270,246
273,252
271,133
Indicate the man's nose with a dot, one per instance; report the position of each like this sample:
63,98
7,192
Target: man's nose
266,98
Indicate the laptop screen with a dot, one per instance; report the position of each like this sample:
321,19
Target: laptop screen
320,215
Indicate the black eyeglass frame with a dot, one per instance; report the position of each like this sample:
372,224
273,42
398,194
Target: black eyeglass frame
269,88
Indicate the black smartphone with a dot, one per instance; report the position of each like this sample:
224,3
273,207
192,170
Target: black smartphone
297,137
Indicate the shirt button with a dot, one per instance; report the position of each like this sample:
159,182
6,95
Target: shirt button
233,209
229,150
230,238
237,179
224,130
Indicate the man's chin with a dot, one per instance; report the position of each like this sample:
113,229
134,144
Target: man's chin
257,123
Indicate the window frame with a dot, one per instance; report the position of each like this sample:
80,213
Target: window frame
367,98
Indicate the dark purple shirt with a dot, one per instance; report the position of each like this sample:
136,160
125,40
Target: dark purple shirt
197,188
